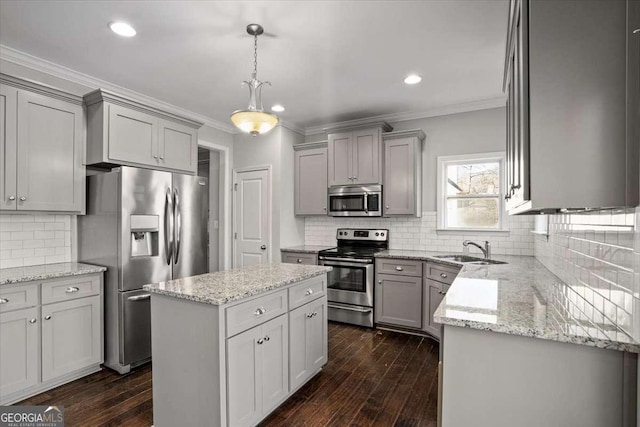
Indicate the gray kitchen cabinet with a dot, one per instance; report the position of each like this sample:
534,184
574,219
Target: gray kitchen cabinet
436,291
42,148
398,300
19,342
355,155
299,258
257,372
562,151
122,131
403,173
71,336
308,341
310,179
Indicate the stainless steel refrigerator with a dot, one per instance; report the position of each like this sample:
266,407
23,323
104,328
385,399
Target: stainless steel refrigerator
145,226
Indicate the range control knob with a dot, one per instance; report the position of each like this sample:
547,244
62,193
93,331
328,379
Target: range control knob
382,234
377,234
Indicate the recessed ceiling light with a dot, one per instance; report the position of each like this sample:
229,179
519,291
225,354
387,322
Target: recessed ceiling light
277,108
122,29
412,79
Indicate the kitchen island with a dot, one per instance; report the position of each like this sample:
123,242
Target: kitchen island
229,347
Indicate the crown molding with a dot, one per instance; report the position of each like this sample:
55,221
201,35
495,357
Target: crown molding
310,145
26,60
483,104
292,127
413,133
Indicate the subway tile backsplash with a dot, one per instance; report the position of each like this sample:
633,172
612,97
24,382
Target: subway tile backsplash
597,255
33,239
411,233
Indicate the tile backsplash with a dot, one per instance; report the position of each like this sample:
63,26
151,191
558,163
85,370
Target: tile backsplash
411,233
32,239
597,255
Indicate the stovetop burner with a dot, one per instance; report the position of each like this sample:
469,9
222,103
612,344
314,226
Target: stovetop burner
358,243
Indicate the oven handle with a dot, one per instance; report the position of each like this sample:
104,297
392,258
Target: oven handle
357,309
343,261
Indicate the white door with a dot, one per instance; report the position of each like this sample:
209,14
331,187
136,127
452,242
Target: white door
252,206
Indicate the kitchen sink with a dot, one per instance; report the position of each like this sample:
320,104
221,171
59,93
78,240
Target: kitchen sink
466,259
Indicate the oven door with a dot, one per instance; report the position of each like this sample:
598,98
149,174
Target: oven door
350,282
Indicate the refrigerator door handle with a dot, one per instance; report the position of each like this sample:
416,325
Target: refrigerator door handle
168,226
178,225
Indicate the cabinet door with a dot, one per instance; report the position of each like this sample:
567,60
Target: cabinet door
366,157
244,378
275,362
340,154
71,336
436,293
133,137
50,171
400,177
177,147
299,258
308,340
398,300
311,182
8,123
19,353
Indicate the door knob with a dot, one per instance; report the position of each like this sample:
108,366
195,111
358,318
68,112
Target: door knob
263,247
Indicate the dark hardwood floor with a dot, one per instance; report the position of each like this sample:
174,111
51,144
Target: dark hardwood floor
373,378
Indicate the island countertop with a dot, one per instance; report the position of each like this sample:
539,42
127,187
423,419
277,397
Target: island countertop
523,298
307,249
46,271
226,286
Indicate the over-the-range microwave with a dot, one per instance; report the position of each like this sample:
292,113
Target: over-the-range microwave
355,200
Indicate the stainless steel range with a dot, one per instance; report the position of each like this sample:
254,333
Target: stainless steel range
350,284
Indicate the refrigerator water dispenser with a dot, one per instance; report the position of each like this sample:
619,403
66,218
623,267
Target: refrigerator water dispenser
144,235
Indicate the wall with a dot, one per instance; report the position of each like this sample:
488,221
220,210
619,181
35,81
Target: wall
598,256
28,239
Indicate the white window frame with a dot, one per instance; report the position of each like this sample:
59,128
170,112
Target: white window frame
443,162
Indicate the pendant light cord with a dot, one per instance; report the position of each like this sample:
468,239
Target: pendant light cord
255,56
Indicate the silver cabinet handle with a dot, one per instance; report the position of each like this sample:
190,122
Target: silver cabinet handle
33,320
12,198
72,289
161,158
386,206
263,247
155,157
309,292
444,276
299,261
442,292
261,340
398,268
260,311
22,199
139,297
47,317
4,300
380,282
266,338
309,315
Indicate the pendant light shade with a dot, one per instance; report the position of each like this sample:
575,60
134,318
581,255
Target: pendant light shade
254,120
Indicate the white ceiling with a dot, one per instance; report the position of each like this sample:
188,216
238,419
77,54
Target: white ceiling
328,61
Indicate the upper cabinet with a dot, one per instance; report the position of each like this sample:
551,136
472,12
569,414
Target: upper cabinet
310,181
403,173
124,132
571,79
355,156
41,148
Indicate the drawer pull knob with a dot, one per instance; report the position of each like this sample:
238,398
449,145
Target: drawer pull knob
380,282
12,198
309,292
4,300
442,292
398,268
72,289
298,260
260,311
444,276
33,321
47,317
266,338
309,315
22,199
260,341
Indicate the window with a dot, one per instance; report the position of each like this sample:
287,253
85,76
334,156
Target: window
470,189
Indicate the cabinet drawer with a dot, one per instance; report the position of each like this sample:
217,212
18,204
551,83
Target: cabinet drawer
441,273
299,258
18,296
252,313
306,291
69,289
402,267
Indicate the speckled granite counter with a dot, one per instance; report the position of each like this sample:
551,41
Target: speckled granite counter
46,271
307,249
519,298
227,286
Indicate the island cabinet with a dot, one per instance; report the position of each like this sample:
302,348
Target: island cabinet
235,361
310,179
124,132
42,143
403,173
356,155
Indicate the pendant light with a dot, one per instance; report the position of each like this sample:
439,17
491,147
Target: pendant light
254,120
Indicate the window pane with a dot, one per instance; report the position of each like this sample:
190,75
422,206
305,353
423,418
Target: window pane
473,178
472,213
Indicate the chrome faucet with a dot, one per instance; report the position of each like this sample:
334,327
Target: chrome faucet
486,251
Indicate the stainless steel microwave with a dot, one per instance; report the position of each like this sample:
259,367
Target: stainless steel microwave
355,200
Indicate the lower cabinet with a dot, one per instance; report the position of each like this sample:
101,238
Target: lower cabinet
398,300
19,339
437,291
308,341
299,258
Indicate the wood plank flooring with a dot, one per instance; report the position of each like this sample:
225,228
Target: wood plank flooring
373,378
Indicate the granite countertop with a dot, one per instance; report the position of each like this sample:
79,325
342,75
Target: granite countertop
226,286
521,297
307,249
46,271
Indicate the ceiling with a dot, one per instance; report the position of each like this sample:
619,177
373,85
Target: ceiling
328,61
